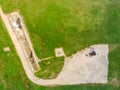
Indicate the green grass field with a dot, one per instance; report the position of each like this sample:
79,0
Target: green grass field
72,24
50,68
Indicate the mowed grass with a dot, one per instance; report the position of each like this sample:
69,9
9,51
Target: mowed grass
72,24
50,68
12,75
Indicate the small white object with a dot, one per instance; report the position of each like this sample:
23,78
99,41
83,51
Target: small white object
17,29
59,52
14,24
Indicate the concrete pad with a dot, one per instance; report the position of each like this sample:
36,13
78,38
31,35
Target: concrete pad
80,68
59,52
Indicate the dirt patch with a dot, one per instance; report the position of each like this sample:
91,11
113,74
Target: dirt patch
6,49
115,82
